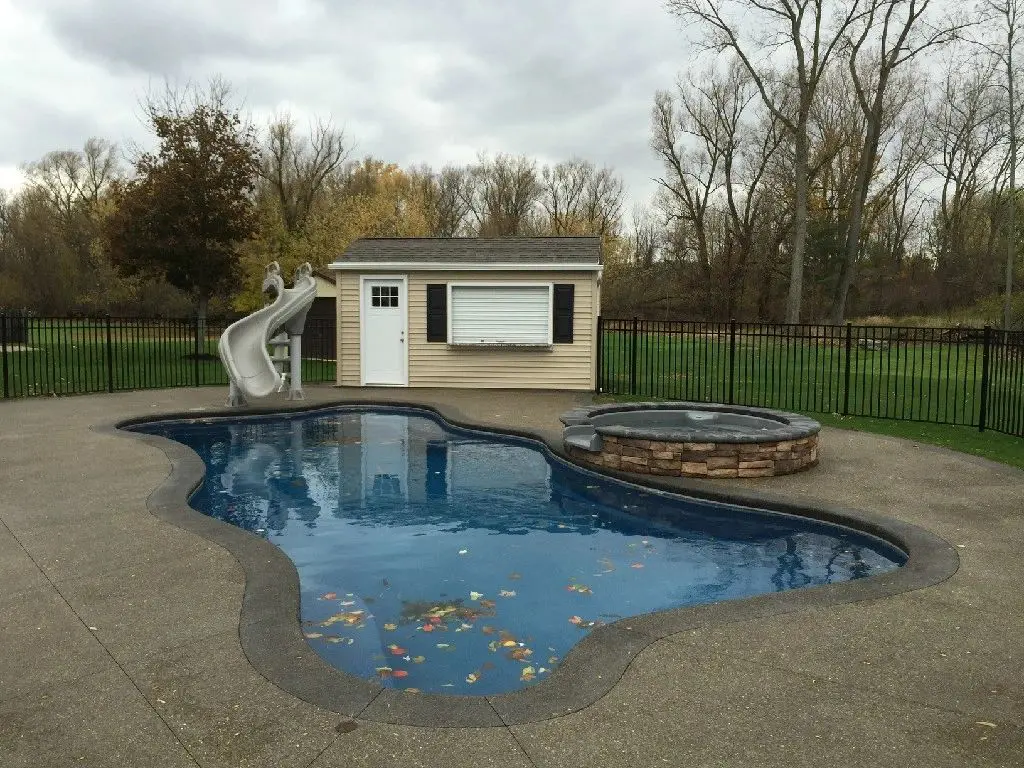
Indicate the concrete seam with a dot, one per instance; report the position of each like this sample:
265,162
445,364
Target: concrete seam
320,754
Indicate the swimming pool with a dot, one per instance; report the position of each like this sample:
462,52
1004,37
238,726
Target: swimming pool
445,560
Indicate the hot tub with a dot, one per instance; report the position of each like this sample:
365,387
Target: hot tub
691,439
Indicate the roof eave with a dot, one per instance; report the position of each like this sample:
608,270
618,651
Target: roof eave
476,266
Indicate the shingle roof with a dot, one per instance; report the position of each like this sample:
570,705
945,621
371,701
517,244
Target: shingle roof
476,250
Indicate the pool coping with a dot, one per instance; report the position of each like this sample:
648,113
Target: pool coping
269,624
796,425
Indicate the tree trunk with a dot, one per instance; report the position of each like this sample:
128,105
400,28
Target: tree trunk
201,306
851,246
796,267
1011,215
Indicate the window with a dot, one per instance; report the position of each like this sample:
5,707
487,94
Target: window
513,314
384,295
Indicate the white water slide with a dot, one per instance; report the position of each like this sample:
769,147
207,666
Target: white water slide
243,345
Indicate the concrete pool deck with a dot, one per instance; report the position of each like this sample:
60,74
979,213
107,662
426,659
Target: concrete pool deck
120,632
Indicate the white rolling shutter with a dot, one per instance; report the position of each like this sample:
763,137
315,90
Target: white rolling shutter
506,314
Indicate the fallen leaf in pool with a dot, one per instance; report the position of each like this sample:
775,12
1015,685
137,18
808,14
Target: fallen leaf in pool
487,604
328,596
443,645
527,674
396,650
580,588
487,630
463,551
399,673
514,576
520,654
411,690
636,565
472,677
384,672
507,593
390,627
418,659
475,595
313,635
348,617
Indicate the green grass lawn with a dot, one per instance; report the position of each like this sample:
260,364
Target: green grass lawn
905,380
991,445
74,357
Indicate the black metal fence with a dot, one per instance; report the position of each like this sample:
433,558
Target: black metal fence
965,376
70,356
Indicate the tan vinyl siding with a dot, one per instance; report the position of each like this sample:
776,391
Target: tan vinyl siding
435,364
348,329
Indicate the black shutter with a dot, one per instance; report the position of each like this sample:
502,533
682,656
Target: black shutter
565,294
437,312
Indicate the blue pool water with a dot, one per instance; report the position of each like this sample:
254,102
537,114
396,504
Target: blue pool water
451,561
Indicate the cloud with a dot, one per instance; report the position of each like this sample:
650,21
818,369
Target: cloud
431,81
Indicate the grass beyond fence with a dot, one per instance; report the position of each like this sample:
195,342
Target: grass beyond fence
938,375
60,356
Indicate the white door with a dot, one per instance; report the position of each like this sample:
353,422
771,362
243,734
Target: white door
383,344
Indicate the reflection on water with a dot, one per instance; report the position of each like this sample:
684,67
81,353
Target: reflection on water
447,561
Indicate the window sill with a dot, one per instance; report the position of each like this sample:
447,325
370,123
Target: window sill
498,345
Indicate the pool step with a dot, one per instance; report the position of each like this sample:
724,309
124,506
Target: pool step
582,436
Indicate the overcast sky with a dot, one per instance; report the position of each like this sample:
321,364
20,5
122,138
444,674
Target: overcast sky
411,81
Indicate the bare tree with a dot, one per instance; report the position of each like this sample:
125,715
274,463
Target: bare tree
716,149
444,196
809,31
965,133
69,178
1008,15
503,195
297,168
579,198
693,174
888,36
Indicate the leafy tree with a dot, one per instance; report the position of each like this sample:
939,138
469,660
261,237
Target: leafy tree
190,207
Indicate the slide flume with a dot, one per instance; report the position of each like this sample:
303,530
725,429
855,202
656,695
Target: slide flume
243,345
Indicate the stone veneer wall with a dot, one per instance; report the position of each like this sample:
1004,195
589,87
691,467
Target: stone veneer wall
654,457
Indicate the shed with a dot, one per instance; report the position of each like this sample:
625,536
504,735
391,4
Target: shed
469,312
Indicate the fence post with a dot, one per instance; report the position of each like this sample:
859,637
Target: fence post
732,360
195,356
110,357
986,348
846,372
599,373
3,353
632,362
